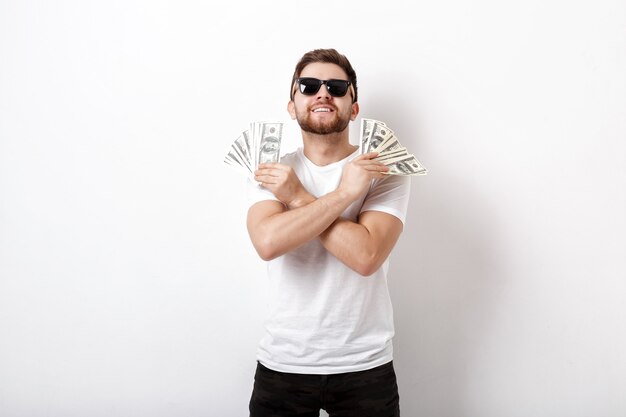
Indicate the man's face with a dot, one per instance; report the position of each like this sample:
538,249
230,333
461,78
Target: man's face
322,113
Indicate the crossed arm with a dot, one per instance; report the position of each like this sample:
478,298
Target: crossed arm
276,228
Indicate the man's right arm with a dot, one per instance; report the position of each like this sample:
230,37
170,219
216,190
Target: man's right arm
276,230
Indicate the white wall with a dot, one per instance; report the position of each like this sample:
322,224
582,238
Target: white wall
128,286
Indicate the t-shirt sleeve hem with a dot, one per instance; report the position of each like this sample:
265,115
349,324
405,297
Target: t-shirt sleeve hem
394,212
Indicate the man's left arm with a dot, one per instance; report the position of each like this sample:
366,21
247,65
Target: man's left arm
363,245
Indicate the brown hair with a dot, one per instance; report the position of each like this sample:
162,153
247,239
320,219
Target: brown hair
330,56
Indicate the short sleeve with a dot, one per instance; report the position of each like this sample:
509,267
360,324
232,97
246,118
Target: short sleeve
389,195
256,193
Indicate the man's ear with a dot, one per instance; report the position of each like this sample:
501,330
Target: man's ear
291,108
355,111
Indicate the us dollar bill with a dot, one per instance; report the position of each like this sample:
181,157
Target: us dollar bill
408,165
376,136
390,145
367,126
379,134
259,144
270,136
232,158
386,156
241,147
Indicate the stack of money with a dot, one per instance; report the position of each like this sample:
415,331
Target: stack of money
258,145
377,137
261,144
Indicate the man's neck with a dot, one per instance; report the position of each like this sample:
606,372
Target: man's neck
326,149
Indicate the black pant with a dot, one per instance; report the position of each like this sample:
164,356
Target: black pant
370,393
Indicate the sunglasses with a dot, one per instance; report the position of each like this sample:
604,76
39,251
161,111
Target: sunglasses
309,86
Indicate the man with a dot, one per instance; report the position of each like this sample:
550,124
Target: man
326,219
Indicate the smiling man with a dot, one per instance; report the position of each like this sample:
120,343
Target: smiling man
326,219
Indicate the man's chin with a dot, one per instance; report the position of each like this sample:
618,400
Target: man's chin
323,128
319,131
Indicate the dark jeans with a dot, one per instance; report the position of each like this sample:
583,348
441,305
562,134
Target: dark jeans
371,393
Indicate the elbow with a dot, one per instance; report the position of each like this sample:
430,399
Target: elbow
366,270
267,249
368,265
266,255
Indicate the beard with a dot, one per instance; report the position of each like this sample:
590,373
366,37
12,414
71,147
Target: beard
336,125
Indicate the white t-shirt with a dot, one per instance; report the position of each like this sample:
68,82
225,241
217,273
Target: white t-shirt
324,317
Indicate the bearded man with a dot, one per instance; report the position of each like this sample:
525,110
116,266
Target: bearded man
326,220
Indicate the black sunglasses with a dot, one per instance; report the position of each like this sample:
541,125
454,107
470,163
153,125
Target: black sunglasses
309,86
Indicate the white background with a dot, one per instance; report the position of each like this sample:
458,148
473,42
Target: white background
128,286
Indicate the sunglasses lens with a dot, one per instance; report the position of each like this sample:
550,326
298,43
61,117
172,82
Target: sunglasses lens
309,86
337,88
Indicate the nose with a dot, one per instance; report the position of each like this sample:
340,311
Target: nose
323,93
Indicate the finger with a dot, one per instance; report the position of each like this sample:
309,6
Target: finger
379,170
365,156
273,169
369,163
272,165
362,158
381,167
271,172
265,179
374,166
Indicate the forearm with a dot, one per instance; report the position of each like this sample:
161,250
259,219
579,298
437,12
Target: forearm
276,228
282,232
352,244
362,246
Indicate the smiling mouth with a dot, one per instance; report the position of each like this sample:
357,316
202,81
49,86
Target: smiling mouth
322,110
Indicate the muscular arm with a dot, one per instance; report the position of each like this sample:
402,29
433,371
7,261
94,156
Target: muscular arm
365,245
276,228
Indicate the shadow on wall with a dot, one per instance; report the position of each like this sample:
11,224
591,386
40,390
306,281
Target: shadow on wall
443,276
441,279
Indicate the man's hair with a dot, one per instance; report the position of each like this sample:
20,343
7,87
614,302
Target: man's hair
330,56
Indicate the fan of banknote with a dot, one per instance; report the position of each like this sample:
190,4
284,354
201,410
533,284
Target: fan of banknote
258,145
261,144
377,137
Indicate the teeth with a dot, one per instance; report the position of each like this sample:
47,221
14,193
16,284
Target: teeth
321,110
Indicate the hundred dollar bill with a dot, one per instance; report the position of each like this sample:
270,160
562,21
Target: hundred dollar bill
379,134
254,148
366,132
408,165
388,146
270,135
391,144
247,140
376,136
241,148
232,158
386,156
260,144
